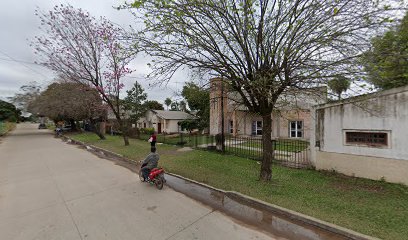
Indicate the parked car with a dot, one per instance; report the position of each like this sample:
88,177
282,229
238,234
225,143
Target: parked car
67,128
42,126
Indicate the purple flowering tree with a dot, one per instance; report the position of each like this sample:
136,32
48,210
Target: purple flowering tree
87,50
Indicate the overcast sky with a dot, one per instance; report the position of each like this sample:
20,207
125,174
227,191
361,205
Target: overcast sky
18,25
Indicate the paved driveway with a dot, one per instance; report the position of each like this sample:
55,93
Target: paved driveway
52,190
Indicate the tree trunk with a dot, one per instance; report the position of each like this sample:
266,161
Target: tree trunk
78,127
102,127
124,129
137,133
73,124
96,129
266,171
126,139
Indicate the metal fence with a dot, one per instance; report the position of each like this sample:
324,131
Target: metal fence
287,152
292,153
187,140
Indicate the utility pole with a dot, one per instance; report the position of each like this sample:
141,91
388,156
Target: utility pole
177,90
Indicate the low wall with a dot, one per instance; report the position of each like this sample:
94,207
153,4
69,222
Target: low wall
392,170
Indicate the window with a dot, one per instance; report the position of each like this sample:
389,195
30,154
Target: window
296,129
231,127
256,128
367,138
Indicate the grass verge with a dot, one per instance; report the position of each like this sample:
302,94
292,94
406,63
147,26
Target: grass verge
374,208
6,127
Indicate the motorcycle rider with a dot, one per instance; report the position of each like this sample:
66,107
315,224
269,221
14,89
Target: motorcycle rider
149,163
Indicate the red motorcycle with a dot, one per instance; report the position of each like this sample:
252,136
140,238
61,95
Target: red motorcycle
156,177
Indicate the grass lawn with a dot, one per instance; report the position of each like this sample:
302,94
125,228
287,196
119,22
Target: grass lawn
50,126
6,127
375,208
137,150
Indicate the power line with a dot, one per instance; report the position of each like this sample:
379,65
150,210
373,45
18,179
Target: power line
18,61
135,77
5,54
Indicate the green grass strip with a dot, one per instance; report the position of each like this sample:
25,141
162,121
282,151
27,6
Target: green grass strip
374,208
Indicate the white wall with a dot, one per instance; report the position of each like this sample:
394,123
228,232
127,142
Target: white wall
172,126
385,111
149,119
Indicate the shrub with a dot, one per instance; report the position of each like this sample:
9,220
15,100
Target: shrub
134,132
6,127
147,130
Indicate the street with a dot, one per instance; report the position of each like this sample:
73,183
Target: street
53,190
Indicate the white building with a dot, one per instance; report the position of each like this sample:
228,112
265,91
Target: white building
290,119
365,136
164,121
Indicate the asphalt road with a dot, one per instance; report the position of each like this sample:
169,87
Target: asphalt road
52,190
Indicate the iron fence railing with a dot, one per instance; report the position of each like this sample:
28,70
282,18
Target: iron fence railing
182,139
287,152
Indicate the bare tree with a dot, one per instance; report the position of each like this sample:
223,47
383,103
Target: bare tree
28,93
260,48
86,50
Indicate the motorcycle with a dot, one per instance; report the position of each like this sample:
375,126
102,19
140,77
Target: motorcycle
58,132
156,177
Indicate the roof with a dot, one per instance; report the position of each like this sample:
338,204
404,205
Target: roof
173,115
364,97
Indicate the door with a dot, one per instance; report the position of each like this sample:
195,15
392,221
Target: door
159,130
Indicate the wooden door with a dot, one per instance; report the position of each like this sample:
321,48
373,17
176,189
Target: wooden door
159,130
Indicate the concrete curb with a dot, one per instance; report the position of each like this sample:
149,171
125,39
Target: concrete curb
253,201
285,212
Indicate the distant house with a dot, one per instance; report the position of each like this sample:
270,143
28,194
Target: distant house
112,125
164,121
364,136
291,119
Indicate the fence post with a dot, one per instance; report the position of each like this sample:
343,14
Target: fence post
273,149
